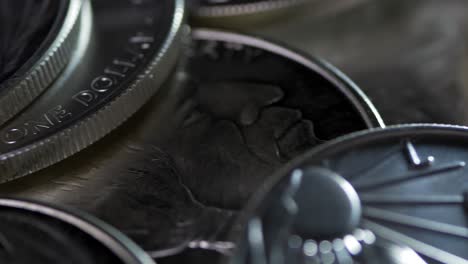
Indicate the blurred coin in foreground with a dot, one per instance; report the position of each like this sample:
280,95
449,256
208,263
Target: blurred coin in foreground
406,185
36,233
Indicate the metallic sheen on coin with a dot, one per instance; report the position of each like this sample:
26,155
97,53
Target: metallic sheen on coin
253,15
220,8
117,68
405,184
175,174
35,51
32,232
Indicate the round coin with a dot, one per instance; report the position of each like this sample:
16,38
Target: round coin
36,233
405,184
175,175
38,39
117,68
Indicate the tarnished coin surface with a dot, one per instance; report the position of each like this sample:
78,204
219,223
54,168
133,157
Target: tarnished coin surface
405,184
36,233
37,40
117,68
175,175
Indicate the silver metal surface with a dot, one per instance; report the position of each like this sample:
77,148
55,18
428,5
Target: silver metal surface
64,121
411,180
21,91
252,7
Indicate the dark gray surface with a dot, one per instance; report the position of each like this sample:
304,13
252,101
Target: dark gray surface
33,232
410,181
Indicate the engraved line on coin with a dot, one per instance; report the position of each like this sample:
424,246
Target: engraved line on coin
412,176
244,141
416,222
422,248
414,159
256,241
222,247
364,172
411,200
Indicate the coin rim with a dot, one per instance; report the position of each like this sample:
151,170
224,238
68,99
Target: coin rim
246,9
70,140
277,176
432,128
42,74
110,237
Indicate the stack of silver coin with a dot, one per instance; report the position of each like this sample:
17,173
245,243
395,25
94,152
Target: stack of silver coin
233,131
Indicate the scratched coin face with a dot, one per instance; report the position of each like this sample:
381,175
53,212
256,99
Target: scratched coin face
116,68
37,39
36,233
407,185
174,176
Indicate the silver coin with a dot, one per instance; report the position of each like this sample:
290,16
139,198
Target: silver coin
173,177
31,77
32,232
118,67
407,184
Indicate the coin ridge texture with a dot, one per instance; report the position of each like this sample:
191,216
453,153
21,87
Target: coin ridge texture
22,92
18,159
120,246
236,9
410,202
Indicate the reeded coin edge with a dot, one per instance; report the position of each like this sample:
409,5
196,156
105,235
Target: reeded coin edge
46,69
349,89
244,9
110,237
55,148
